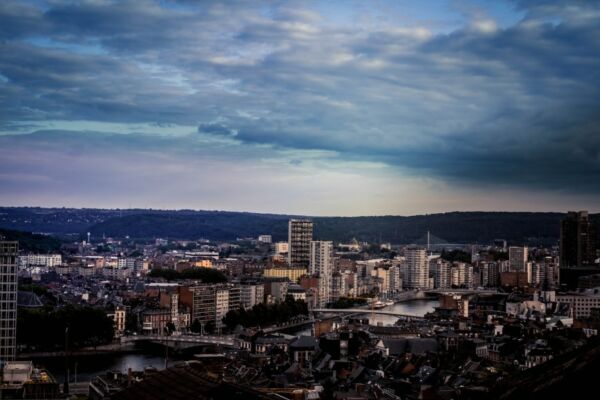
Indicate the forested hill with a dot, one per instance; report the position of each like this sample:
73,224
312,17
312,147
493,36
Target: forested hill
32,242
454,227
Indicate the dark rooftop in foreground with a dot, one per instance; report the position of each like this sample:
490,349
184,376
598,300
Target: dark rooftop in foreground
187,381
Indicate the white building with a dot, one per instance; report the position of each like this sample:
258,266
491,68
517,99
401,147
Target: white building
417,268
252,294
297,292
321,264
40,260
395,279
265,239
581,302
389,276
442,277
221,305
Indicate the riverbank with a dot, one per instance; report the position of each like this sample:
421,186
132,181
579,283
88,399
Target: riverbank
113,348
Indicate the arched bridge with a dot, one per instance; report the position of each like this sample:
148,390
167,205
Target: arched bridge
181,339
366,311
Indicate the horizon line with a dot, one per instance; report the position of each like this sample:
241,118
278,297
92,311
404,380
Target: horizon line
300,215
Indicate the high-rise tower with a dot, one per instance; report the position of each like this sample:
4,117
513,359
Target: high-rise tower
577,240
8,303
517,258
321,264
300,232
417,268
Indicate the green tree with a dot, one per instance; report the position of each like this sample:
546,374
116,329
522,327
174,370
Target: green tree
87,327
196,326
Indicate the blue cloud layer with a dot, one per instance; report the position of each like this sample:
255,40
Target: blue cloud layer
514,104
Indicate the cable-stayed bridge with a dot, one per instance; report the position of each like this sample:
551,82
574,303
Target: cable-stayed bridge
431,242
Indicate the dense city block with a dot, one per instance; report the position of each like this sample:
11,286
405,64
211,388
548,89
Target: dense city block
302,318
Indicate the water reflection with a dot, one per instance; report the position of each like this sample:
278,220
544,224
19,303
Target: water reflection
415,307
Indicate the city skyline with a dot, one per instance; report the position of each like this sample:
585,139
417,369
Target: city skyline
301,108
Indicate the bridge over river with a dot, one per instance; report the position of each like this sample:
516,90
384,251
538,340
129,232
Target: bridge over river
366,311
189,340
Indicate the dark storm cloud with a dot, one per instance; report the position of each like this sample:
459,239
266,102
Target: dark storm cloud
513,106
215,129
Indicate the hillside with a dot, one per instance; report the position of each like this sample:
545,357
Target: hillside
454,227
32,242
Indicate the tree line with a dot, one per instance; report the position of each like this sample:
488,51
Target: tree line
266,314
206,275
44,328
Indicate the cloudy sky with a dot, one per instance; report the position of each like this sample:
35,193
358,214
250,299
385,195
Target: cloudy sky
320,108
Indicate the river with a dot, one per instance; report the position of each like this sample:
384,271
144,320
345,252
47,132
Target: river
84,368
414,307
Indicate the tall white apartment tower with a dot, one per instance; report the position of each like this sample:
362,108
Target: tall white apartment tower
517,258
417,268
321,263
8,305
300,233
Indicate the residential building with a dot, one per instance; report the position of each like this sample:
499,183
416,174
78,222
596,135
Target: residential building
417,268
442,277
321,265
490,274
292,274
300,234
118,316
281,247
154,322
265,239
40,260
517,258
252,294
212,302
395,279
337,289
581,303
577,240
8,303
297,292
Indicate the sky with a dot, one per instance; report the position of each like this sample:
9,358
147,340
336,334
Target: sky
309,107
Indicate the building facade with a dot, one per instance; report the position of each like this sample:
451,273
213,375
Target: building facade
40,260
265,239
293,274
517,258
581,303
252,294
321,265
300,234
417,268
210,303
8,300
577,240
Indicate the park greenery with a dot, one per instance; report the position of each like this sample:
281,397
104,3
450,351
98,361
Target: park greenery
348,302
206,275
266,314
44,328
